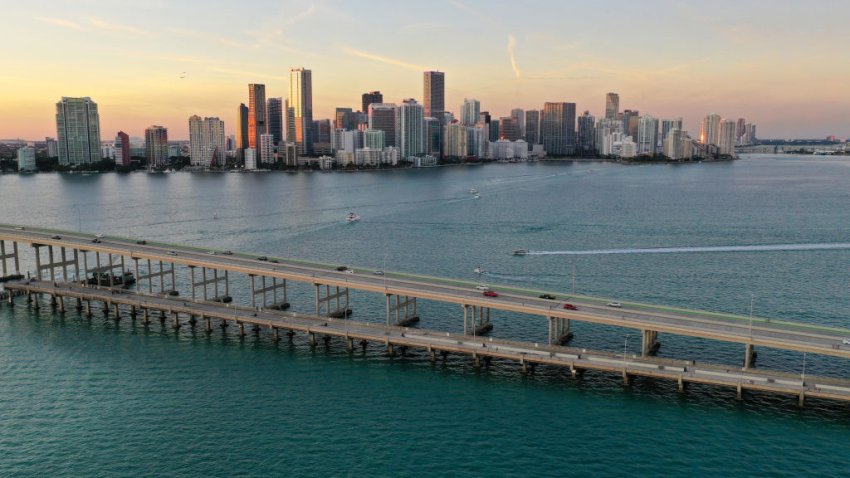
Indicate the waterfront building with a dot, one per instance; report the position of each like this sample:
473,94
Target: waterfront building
647,135
669,125
427,161
267,146
612,105
391,155
26,159
456,140
250,159
156,146
241,128
509,128
726,138
256,115
672,145
606,128
374,139
77,131
369,98
287,154
504,150
344,118
410,128
740,130
532,127
470,111
519,118
477,143
274,118
52,147
558,128
434,94
382,116
433,137
206,142
586,139
368,157
122,149
301,102
709,131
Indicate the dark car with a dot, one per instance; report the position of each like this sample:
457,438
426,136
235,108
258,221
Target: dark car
227,253
56,237
569,306
275,261
342,268
262,258
547,296
96,240
142,242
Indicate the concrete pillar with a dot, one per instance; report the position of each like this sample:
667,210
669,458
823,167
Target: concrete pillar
350,343
146,319
801,402
175,320
312,339
390,350
573,370
35,304
626,378
277,334
207,324
88,308
117,313
363,344
61,301
740,392
476,361
649,344
749,355
682,385
241,329
433,354
79,305
53,302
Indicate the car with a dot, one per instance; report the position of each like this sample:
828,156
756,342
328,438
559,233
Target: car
378,273
846,341
262,258
490,293
141,242
171,253
99,236
342,268
56,237
569,306
19,228
482,287
227,253
616,305
96,240
349,271
212,253
274,261
547,296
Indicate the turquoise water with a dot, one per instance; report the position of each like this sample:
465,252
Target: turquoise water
83,398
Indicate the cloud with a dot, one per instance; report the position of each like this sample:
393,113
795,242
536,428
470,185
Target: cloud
466,8
383,59
512,55
301,16
60,22
116,27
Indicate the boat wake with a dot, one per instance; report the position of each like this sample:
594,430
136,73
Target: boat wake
681,250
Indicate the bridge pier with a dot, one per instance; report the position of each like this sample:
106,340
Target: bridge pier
263,290
117,313
276,333
405,311
79,304
241,329
88,309
559,331
61,301
34,300
313,342
683,386
739,392
146,319
650,343
801,400
207,324
626,378
350,343
175,320
476,319
342,309
749,356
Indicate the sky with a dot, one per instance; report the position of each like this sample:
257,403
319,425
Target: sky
780,64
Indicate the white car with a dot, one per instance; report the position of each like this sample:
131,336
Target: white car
349,271
171,253
379,273
482,287
846,341
99,236
212,253
615,304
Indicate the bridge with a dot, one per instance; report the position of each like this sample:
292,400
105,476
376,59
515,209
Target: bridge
85,268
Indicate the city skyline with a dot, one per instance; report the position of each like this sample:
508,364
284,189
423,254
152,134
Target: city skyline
142,75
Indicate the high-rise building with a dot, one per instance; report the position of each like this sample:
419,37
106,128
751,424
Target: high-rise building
726,138
647,135
612,105
77,131
410,128
709,130
608,131
267,149
631,119
156,146
242,127
519,117
371,97
256,114
301,102
122,148
558,126
382,117
250,159
508,128
344,118
740,130
373,139
433,137
26,159
52,147
456,140
469,111
434,95
206,142
532,127
586,139
288,121
274,118
669,125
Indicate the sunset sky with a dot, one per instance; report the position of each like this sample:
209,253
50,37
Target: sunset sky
780,64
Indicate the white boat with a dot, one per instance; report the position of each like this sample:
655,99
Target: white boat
520,252
478,270
473,190
352,217
476,196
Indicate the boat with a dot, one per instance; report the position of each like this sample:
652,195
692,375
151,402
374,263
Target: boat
352,217
476,196
473,190
478,270
520,252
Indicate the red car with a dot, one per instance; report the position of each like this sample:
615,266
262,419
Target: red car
490,293
569,306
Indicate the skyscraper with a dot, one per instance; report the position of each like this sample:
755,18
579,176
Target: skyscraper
456,141
122,149
382,117
274,118
77,131
288,121
267,149
242,128
256,114
206,142
532,127
647,138
433,137
156,146
612,105
469,111
301,102
726,137
434,95
52,147
586,139
508,128
558,126
344,118
630,123
669,125
371,97
519,117
411,128
709,130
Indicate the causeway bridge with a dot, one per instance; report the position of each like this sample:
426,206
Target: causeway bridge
89,271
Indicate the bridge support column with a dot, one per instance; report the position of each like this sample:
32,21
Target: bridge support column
649,344
117,313
88,309
276,333
242,329
476,361
350,342
405,311
132,312
740,392
146,319
207,324
79,305
313,342
749,356
683,386
34,300
626,378
801,401
559,331
61,301
175,320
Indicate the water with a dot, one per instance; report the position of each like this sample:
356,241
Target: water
82,398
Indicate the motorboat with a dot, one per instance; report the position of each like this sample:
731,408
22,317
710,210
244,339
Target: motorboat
520,252
478,270
476,196
473,190
352,217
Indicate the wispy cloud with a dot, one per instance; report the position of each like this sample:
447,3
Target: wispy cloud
512,56
383,59
61,22
300,16
476,13
116,27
